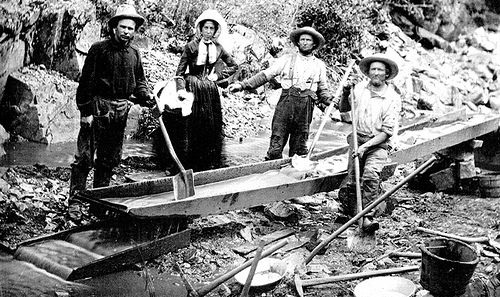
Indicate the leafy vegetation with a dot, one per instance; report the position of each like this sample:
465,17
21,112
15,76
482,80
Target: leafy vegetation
342,23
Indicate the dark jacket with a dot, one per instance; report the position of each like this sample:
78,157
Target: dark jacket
188,62
111,71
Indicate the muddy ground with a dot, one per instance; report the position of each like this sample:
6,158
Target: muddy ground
34,202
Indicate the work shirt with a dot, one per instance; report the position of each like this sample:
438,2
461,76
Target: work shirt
376,112
111,71
308,73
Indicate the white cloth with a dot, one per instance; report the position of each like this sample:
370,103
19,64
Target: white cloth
203,47
167,94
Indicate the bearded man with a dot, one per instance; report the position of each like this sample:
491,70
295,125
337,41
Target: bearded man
377,115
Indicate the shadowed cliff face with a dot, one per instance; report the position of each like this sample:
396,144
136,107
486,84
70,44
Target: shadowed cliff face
41,32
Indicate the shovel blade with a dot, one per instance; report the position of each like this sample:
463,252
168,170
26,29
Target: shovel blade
359,241
183,184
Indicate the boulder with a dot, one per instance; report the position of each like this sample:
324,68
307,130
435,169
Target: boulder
59,25
14,19
40,106
4,136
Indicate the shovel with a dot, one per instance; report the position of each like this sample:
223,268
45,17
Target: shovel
359,239
304,163
183,182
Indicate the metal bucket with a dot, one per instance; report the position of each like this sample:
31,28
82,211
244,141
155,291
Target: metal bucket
447,266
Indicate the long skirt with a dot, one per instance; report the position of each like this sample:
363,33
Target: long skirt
197,138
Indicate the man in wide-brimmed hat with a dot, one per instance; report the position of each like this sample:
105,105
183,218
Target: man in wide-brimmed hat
377,107
112,79
303,80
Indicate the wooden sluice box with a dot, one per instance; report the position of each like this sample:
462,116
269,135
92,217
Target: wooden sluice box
103,247
241,187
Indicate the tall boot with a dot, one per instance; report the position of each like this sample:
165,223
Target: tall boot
78,182
102,176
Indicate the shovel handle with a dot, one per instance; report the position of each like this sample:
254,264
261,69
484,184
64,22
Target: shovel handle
422,167
359,197
167,138
328,111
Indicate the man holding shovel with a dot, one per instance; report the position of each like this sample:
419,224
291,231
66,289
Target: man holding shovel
376,115
112,77
303,79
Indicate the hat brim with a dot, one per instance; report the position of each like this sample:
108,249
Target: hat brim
365,63
138,19
211,15
295,35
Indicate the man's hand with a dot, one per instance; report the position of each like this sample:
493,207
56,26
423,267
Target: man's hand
235,87
361,151
150,102
86,121
120,105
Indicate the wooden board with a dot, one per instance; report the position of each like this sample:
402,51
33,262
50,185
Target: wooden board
448,135
105,249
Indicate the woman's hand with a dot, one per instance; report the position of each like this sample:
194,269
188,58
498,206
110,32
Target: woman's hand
213,77
86,121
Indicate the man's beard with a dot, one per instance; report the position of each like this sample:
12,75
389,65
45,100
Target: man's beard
376,82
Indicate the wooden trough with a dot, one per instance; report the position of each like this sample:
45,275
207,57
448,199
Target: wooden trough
240,187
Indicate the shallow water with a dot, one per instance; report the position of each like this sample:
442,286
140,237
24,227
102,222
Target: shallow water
236,152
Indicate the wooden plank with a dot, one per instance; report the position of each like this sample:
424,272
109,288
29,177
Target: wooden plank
164,184
450,136
240,200
139,253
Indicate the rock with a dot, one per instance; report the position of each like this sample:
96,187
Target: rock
45,106
57,28
430,40
281,211
15,17
443,180
4,137
494,100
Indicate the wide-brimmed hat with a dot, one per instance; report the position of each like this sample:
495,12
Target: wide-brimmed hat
295,36
365,63
212,15
126,11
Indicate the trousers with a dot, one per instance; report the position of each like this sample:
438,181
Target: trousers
102,141
371,165
291,120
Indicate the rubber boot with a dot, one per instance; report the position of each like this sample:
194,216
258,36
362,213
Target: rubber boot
78,182
102,177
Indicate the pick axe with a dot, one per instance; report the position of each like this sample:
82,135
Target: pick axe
300,284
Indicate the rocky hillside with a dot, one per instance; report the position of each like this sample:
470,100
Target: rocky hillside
448,52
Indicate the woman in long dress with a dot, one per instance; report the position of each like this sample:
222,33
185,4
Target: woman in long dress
198,138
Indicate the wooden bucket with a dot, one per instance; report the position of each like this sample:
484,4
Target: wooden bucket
489,184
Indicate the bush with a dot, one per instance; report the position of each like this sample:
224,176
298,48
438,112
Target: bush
342,23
